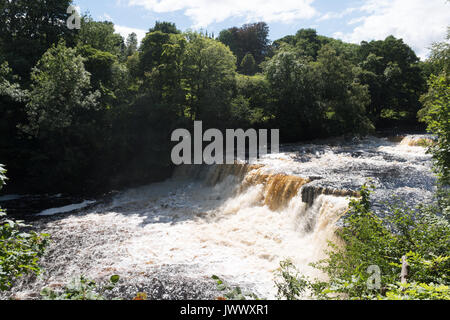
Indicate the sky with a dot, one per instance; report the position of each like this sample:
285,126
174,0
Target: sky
418,22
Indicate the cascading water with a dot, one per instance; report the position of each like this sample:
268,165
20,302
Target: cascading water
235,221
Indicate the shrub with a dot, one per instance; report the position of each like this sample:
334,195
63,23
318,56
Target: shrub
19,251
81,289
232,293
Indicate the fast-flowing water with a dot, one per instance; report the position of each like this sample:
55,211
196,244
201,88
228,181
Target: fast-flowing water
235,221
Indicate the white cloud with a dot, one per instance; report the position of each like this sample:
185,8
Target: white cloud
418,22
105,17
336,15
205,12
125,31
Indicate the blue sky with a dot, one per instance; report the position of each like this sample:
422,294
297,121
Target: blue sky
418,22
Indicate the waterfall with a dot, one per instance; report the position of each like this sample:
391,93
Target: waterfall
235,221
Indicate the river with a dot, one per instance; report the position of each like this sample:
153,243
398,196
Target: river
235,221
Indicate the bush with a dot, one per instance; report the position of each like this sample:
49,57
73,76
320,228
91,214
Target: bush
436,114
19,251
416,291
232,293
81,289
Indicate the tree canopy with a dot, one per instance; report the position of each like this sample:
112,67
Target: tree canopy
97,106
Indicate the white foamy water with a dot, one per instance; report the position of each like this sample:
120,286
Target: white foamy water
65,209
237,222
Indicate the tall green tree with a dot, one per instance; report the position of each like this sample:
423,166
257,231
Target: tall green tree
209,78
439,59
436,111
12,101
250,38
61,115
100,36
344,97
394,76
29,28
295,91
131,44
165,27
248,65
436,114
308,41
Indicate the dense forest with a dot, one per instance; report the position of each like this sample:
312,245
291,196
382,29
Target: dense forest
84,110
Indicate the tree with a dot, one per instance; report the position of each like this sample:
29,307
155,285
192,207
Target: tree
98,63
131,44
29,28
209,78
256,90
160,66
295,91
394,76
439,59
344,97
100,36
248,65
61,115
308,42
250,38
436,111
152,49
250,103
60,91
12,101
436,114
165,27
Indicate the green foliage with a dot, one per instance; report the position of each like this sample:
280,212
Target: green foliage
248,65
290,284
2,176
165,27
81,289
250,38
392,71
439,60
131,44
414,291
313,99
19,250
309,43
10,90
60,92
29,28
12,98
295,90
209,79
61,113
233,293
98,64
436,114
100,36
343,95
